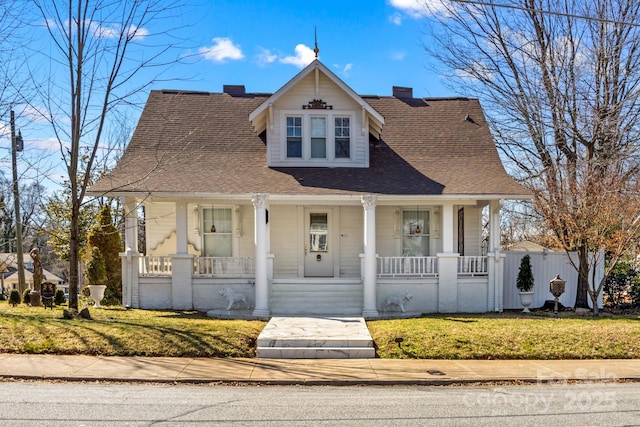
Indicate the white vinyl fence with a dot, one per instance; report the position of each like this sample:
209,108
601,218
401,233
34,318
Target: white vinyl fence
545,265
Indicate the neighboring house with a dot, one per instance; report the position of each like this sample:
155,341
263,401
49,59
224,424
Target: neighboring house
311,200
11,281
9,273
527,246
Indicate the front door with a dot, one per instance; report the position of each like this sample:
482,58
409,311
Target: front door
318,261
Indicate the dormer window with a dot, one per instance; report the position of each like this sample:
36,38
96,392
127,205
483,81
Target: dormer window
342,137
294,137
318,136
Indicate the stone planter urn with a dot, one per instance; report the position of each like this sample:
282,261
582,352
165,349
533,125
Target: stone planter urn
526,298
97,293
525,282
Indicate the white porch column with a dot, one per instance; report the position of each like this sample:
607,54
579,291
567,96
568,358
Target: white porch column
130,257
262,282
494,226
447,264
496,274
447,228
370,271
181,263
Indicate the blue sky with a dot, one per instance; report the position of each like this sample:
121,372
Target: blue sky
370,44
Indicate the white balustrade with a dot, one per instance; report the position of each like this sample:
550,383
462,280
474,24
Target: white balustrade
224,266
153,265
407,266
472,266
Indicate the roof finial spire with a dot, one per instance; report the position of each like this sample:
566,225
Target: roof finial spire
315,36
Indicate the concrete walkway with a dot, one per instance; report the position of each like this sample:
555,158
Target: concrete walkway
311,371
320,337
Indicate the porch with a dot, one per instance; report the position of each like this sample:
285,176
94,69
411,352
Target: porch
212,281
297,258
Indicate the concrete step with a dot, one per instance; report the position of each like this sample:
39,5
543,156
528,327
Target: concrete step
316,299
315,353
315,338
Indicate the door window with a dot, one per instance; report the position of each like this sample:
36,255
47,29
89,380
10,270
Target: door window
318,232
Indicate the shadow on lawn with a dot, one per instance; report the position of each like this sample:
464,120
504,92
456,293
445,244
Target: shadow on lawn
110,335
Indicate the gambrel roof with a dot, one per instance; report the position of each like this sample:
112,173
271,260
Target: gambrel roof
204,144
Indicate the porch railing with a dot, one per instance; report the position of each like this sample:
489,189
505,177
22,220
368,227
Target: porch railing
407,266
155,265
224,266
472,266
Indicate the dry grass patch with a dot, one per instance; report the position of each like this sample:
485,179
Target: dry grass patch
120,332
507,336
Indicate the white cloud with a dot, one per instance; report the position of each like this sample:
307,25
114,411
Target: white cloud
138,33
344,70
412,8
304,56
396,19
397,56
417,9
221,50
265,56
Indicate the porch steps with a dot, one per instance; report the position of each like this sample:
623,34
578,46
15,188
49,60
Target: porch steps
315,338
317,297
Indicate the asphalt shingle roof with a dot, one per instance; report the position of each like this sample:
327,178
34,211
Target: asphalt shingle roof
192,142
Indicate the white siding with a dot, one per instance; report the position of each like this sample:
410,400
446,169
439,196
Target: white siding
351,240
246,238
160,220
387,243
286,240
472,231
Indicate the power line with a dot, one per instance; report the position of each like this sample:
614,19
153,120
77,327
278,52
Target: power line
548,12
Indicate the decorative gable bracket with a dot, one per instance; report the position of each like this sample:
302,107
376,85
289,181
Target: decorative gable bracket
317,104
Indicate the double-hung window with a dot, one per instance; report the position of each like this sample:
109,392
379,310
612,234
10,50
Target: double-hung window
218,237
342,138
318,137
415,233
294,136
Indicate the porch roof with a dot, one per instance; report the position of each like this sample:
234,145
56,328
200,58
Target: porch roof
203,143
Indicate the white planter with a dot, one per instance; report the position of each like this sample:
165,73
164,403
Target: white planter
97,293
526,298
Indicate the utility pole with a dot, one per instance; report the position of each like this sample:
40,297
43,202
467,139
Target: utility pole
17,145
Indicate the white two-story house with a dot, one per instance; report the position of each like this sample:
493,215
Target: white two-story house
312,200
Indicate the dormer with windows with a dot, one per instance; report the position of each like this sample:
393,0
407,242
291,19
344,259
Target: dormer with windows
316,120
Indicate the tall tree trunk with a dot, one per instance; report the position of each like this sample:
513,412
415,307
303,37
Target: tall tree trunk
582,293
74,251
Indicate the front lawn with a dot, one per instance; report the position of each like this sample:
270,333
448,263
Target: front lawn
120,332
507,336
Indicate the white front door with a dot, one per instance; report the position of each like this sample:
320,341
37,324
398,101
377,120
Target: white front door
318,260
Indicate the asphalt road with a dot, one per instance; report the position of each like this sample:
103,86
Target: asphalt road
107,404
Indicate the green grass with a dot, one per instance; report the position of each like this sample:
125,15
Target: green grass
119,332
507,336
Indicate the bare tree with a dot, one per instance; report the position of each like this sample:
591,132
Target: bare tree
560,82
100,49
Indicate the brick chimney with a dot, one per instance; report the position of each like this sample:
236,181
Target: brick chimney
402,92
234,89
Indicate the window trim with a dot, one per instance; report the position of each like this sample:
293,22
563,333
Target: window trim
206,231
423,233
306,115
